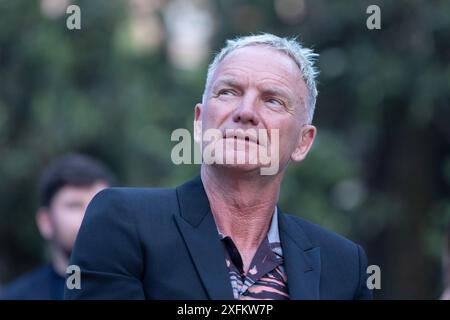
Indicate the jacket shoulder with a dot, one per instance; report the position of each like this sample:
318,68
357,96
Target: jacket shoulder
126,201
135,195
320,236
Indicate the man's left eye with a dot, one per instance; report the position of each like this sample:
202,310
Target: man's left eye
225,92
274,101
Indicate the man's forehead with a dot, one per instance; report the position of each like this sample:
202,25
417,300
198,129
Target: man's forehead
259,58
262,53
275,67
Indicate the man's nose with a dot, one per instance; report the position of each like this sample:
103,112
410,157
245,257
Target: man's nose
246,112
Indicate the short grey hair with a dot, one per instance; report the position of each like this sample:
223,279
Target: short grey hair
302,56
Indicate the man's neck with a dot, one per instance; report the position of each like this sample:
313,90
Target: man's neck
242,205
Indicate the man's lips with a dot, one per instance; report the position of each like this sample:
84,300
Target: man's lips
245,135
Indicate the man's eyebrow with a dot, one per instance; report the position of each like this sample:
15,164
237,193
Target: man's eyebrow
226,81
277,92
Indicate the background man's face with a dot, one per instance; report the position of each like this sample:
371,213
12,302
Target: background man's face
260,88
60,223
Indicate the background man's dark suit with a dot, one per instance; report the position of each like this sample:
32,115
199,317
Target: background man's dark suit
163,244
40,284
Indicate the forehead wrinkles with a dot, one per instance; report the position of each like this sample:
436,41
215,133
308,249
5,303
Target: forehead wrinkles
263,56
246,73
261,59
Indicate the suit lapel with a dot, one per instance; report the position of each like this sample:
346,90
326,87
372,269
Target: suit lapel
197,226
301,260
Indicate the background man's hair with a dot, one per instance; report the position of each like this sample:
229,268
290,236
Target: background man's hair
302,56
71,170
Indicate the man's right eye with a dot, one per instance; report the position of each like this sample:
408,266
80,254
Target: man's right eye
225,92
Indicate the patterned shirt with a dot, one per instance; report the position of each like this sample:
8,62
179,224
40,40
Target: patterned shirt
266,277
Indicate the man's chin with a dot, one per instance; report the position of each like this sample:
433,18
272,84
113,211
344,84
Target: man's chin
240,168
242,161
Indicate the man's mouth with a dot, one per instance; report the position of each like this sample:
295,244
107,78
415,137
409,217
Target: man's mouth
240,134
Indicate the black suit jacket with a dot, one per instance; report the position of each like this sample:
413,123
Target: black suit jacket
164,244
42,283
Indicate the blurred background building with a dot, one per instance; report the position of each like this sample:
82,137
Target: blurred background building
379,172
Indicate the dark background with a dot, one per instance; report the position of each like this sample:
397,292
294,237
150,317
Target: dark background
379,172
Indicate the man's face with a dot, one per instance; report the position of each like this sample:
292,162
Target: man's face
258,87
60,222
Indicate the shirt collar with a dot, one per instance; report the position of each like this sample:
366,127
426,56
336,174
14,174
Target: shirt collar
273,235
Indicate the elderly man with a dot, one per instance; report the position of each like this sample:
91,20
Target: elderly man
221,235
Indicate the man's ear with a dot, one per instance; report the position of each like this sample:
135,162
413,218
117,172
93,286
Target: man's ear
44,223
305,141
198,123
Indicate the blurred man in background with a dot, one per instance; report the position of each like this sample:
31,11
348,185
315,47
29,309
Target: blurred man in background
65,189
